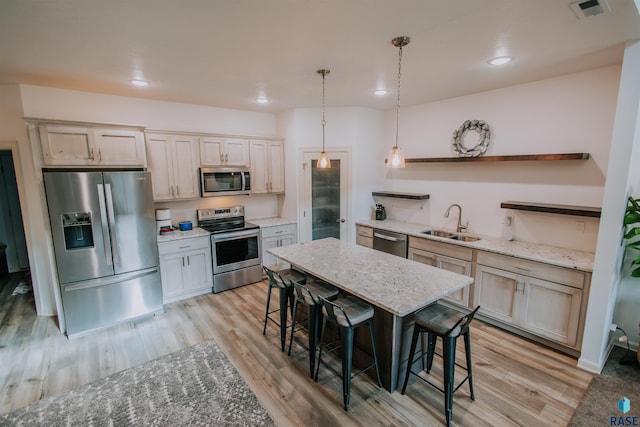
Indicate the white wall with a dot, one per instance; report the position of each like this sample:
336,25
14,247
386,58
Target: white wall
13,133
621,180
572,113
359,129
61,104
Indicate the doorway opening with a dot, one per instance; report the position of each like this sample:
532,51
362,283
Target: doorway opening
14,261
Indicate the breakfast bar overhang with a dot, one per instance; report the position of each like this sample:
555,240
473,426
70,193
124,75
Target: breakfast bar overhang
395,286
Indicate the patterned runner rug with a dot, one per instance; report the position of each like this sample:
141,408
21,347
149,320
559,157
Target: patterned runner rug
196,386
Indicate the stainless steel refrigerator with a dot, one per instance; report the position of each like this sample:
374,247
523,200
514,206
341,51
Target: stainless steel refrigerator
104,237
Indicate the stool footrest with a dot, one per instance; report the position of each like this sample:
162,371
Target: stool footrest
437,386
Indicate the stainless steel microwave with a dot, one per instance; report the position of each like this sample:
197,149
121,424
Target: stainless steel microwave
224,181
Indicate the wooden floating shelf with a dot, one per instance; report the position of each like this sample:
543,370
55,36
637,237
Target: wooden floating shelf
592,212
397,195
508,158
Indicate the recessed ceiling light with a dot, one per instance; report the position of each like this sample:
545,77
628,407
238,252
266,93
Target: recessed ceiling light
262,100
140,83
380,92
500,60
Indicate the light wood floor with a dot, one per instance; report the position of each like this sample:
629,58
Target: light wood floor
516,382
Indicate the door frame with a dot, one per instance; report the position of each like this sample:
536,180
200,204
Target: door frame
346,168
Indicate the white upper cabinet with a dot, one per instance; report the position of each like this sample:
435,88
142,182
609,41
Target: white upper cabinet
216,151
267,166
173,163
69,145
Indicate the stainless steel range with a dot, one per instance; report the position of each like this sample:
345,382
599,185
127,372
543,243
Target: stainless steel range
235,247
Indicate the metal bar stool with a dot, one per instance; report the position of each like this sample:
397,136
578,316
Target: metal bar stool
439,321
309,294
348,313
282,280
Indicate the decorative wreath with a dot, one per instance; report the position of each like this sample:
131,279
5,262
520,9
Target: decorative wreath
479,126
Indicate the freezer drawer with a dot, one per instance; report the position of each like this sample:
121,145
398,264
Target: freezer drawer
103,302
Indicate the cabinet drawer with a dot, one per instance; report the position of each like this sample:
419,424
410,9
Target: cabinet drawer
539,270
363,231
278,230
364,241
450,250
183,245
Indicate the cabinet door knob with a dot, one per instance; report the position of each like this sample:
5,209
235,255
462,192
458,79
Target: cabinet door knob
341,220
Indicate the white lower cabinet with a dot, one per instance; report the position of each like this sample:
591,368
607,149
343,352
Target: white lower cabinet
275,237
537,298
448,257
185,268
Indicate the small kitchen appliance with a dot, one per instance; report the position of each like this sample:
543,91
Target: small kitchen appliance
380,212
163,221
185,226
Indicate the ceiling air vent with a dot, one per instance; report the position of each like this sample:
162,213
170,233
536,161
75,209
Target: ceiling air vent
586,8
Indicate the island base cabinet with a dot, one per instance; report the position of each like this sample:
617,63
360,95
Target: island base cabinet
546,309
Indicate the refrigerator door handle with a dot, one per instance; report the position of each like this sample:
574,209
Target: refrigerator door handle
112,222
105,224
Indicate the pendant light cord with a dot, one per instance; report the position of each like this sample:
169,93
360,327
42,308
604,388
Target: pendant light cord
324,122
398,101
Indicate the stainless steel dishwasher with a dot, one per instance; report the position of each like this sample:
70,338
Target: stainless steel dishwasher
390,242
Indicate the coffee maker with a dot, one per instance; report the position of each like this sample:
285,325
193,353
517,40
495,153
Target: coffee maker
380,212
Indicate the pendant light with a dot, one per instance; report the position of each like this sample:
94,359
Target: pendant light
396,156
323,161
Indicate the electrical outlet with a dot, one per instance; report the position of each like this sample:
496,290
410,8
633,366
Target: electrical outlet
580,226
613,327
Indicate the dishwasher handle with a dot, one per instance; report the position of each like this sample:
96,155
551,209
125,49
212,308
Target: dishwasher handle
389,238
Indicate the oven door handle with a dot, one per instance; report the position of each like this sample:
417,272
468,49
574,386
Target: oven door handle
232,235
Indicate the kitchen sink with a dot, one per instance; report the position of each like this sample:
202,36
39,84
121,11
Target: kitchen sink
464,238
450,235
439,233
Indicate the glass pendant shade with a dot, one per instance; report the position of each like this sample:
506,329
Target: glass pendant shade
324,162
396,158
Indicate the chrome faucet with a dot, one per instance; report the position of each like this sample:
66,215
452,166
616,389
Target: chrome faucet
460,227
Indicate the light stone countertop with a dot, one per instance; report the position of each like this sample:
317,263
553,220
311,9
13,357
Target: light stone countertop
271,222
178,235
561,257
397,285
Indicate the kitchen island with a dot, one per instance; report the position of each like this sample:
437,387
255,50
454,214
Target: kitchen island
395,286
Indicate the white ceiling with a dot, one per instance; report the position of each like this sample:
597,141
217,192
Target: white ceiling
226,53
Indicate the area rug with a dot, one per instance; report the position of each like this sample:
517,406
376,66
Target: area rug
617,386
197,386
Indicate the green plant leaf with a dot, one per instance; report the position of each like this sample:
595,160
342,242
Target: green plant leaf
634,245
636,261
632,233
631,218
636,272
634,202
